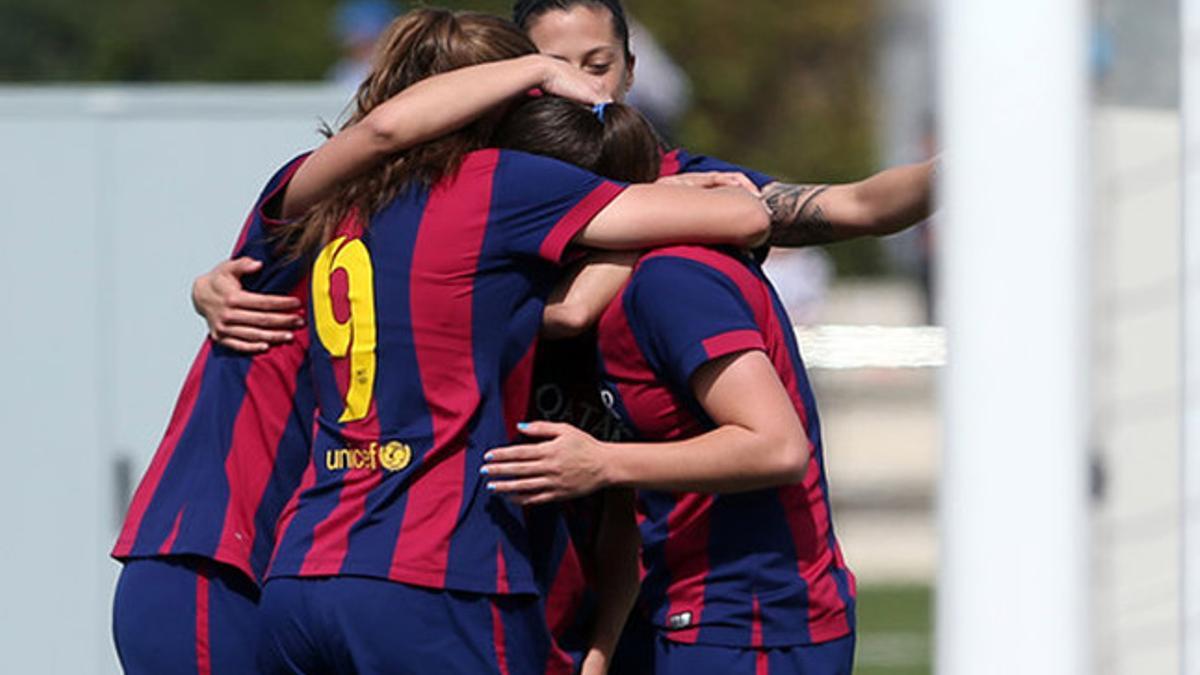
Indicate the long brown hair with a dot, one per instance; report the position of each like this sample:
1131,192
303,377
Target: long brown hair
617,143
420,44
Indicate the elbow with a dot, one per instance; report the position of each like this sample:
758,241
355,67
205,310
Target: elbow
793,457
383,136
565,320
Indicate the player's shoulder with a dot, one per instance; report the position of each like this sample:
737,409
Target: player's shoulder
284,172
693,256
670,271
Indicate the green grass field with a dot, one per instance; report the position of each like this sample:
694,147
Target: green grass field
895,630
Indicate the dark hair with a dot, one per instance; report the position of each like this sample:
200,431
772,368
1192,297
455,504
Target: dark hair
525,11
623,146
417,45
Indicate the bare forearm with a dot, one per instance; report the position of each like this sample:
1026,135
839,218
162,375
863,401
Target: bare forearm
897,198
886,203
617,546
579,299
438,105
649,215
426,110
727,459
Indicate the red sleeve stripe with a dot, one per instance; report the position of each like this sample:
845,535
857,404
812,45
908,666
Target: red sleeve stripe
733,342
162,457
555,244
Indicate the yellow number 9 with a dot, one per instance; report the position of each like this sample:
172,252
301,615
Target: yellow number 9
356,336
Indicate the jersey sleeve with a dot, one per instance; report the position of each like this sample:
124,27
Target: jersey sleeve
683,162
685,313
542,203
256,240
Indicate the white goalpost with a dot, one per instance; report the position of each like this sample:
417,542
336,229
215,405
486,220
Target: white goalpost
1190,76
1013,581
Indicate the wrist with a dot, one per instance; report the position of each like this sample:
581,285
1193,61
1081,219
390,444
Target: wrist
536,68
612,473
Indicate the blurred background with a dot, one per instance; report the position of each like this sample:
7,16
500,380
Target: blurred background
137,132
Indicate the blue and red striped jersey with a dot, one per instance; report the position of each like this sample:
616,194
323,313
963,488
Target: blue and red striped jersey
761,568
236,445
565,389
423,327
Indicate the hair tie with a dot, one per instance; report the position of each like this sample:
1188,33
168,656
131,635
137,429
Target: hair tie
599,109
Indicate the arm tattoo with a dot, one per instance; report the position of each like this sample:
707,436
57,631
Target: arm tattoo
797,219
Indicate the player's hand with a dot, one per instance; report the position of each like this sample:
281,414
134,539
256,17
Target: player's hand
562,79
712,179
240,320
565,464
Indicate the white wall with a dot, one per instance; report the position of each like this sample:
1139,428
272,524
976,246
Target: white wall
111,201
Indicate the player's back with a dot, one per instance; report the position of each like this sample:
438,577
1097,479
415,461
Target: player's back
423,327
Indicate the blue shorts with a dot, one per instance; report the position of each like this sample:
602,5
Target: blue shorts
184,616
362,625
835,657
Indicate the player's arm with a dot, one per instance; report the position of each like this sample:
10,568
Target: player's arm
433,107
759,442
430,108
616,585
645,216
579,299
581,296
641,217
886,203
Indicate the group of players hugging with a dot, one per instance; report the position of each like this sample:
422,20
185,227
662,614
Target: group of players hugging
496,384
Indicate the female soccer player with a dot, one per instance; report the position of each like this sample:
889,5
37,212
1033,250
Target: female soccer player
743,571
427,289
